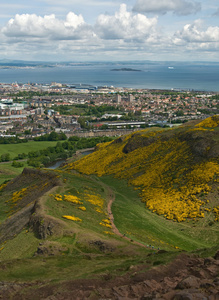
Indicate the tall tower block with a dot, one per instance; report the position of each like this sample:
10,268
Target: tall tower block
130,98
118,98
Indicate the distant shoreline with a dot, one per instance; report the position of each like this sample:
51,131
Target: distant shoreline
189,77
126,70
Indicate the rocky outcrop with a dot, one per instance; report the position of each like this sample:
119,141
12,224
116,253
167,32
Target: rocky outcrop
202,144
15,224
38,183
44,225
50,249
137,141
186,278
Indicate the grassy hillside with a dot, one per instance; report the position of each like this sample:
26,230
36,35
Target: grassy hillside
68,226
136,201
176,171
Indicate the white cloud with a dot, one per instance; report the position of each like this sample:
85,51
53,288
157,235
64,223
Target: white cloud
179,7
193,33
33,26
122,34
125,25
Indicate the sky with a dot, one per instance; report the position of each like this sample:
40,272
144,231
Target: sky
106,30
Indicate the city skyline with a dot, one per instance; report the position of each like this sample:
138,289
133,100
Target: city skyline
45,30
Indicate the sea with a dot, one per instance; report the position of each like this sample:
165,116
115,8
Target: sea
188,76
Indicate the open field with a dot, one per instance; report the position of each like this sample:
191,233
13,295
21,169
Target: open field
15,149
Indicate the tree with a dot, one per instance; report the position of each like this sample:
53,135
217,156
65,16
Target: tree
5,157
53,136
180,113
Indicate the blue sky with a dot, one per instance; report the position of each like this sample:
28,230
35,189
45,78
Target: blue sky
91,30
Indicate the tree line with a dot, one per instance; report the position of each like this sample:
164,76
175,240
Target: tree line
62,150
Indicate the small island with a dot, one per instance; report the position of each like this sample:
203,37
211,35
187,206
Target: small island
126,70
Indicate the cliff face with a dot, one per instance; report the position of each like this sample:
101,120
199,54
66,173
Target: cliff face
21,194
175,170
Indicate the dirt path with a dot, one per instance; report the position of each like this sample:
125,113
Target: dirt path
110,199
114,228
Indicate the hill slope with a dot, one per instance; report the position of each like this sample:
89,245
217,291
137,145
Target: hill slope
175,170
65,233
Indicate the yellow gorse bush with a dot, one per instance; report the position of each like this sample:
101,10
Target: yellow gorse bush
82,208
58,197
210,122
94,199
72,218
216,212
106,223
17,196
99,210
163,171
72,199
108,232
2,186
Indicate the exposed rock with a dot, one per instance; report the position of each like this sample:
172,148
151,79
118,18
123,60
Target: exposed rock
201,143
49,249
102,246
137,141
45,226
189,282
217,255
15,224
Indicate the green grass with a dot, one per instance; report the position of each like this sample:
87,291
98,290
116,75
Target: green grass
78,258
65,267
7,172
22,246
133,219
15,149
75,185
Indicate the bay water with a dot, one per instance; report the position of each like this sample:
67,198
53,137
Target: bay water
138,75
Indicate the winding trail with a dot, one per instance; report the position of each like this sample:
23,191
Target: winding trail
110,199
110,214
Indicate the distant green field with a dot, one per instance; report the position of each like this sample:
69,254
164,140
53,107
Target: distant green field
15,149
7,172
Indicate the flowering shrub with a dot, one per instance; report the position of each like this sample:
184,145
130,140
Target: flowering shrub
72,199
106,223
164,171
72,218
99,210
108,232
94,199
82,208
58,197
216,212
18,195
210,122
2,186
